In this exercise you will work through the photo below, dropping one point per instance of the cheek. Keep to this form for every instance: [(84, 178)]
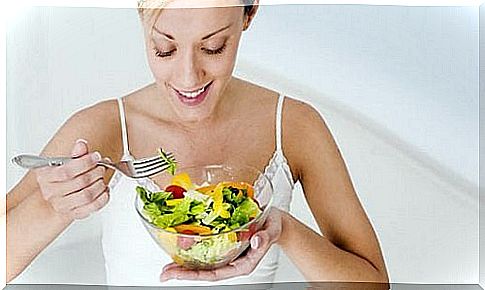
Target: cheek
[(222, 65), (160, 70)]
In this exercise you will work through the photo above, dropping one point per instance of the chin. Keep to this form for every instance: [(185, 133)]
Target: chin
[(195, 107)]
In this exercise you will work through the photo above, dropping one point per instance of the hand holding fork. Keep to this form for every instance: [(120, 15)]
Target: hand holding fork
[(74, 186)]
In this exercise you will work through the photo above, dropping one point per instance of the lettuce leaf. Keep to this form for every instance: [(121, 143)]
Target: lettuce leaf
[(248, 208), (171, 162)]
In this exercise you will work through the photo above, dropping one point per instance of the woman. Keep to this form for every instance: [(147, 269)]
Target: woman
[(200, 112)]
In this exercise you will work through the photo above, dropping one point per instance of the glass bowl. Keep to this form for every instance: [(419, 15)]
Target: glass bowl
[(206, 252)]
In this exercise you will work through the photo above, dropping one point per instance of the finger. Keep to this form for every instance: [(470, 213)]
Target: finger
[(80, 148), (81, 198), (246, 264), (80, 182), (73, 168), (85, 196), (181, 273), (228, 271), (260, 239), (97, 204), (170, 271), (272, 225), (169, 266)]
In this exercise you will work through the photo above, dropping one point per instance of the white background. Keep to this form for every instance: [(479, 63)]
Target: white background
[(397, 85)]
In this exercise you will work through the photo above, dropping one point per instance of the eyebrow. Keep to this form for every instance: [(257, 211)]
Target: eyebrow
[(170, 37)]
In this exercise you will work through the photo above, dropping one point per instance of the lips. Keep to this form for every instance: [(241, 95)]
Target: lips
[(194, 97)]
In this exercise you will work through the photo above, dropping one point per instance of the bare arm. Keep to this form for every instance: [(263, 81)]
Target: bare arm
[(349, 249), (32, 222)]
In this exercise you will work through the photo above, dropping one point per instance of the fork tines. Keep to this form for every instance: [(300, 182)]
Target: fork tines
[(152, 165), (151, 171), (139, 163)]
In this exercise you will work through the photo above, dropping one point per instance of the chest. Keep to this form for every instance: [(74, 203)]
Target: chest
[(250, 142)]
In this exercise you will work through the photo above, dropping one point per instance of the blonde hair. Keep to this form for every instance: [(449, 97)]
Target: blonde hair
[(150, 10)]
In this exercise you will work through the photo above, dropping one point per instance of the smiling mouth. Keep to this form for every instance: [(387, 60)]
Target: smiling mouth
[(194, 97), (193, 94)]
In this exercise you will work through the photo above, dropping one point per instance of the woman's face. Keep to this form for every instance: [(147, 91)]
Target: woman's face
[(192, 54)]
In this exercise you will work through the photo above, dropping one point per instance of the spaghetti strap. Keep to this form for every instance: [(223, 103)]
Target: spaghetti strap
[(279, 110), (124, 132)]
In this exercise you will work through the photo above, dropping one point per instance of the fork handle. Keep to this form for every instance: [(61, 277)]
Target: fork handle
[(33, 161)]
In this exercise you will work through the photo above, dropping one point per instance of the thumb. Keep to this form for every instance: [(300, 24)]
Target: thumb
[(80, 148), (260, 240)]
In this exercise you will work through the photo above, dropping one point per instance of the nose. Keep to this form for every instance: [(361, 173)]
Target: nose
[(190, 71)]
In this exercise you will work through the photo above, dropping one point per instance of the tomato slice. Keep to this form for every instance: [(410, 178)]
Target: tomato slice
[(177, 191), (185, 242)]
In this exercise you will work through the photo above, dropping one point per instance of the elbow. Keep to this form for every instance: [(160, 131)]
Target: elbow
[(11, 274), (382, 279), (15, 265)]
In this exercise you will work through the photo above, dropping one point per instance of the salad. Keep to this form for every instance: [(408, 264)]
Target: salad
[(204, 216), (186, 208)]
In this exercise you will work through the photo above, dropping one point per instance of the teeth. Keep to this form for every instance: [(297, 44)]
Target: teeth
[(194, 94)]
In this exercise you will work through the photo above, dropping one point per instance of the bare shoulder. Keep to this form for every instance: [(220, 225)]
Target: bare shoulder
[(300, 115), (305, 134), (102, 113), (98, 124)]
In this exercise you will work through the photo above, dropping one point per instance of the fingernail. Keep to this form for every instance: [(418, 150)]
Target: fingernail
[(96, 156), (164, 278), (82, 141), (255, 242)]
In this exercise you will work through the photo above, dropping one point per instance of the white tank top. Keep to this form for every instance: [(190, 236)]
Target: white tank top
[(132, 258)]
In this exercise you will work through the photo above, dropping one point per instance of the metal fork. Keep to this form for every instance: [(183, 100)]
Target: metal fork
[(136, 168)]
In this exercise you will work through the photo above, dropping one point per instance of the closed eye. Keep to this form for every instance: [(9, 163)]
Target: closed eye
[(162, 54), (215, 51)]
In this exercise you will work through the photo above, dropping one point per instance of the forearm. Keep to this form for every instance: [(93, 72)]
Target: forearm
[(320, 260), (31, 226)]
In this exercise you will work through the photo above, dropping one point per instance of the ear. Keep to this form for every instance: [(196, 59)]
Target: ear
[(249, 17)]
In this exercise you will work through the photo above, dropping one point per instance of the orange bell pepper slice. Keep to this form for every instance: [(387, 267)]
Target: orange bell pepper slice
[(201, 230), (241, 185)]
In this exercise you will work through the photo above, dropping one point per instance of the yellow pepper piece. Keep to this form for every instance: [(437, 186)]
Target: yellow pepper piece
[(167, 241), (206, 189), (232, 237), (218, 199), (170, 229), (183, 180), (178, 260), (174, 202)]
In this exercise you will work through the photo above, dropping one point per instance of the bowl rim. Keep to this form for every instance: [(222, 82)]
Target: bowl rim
[(238, 229)]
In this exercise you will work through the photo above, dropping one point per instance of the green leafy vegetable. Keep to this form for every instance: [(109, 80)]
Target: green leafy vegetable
[(248, 208), (196, 208), (170, 161)]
